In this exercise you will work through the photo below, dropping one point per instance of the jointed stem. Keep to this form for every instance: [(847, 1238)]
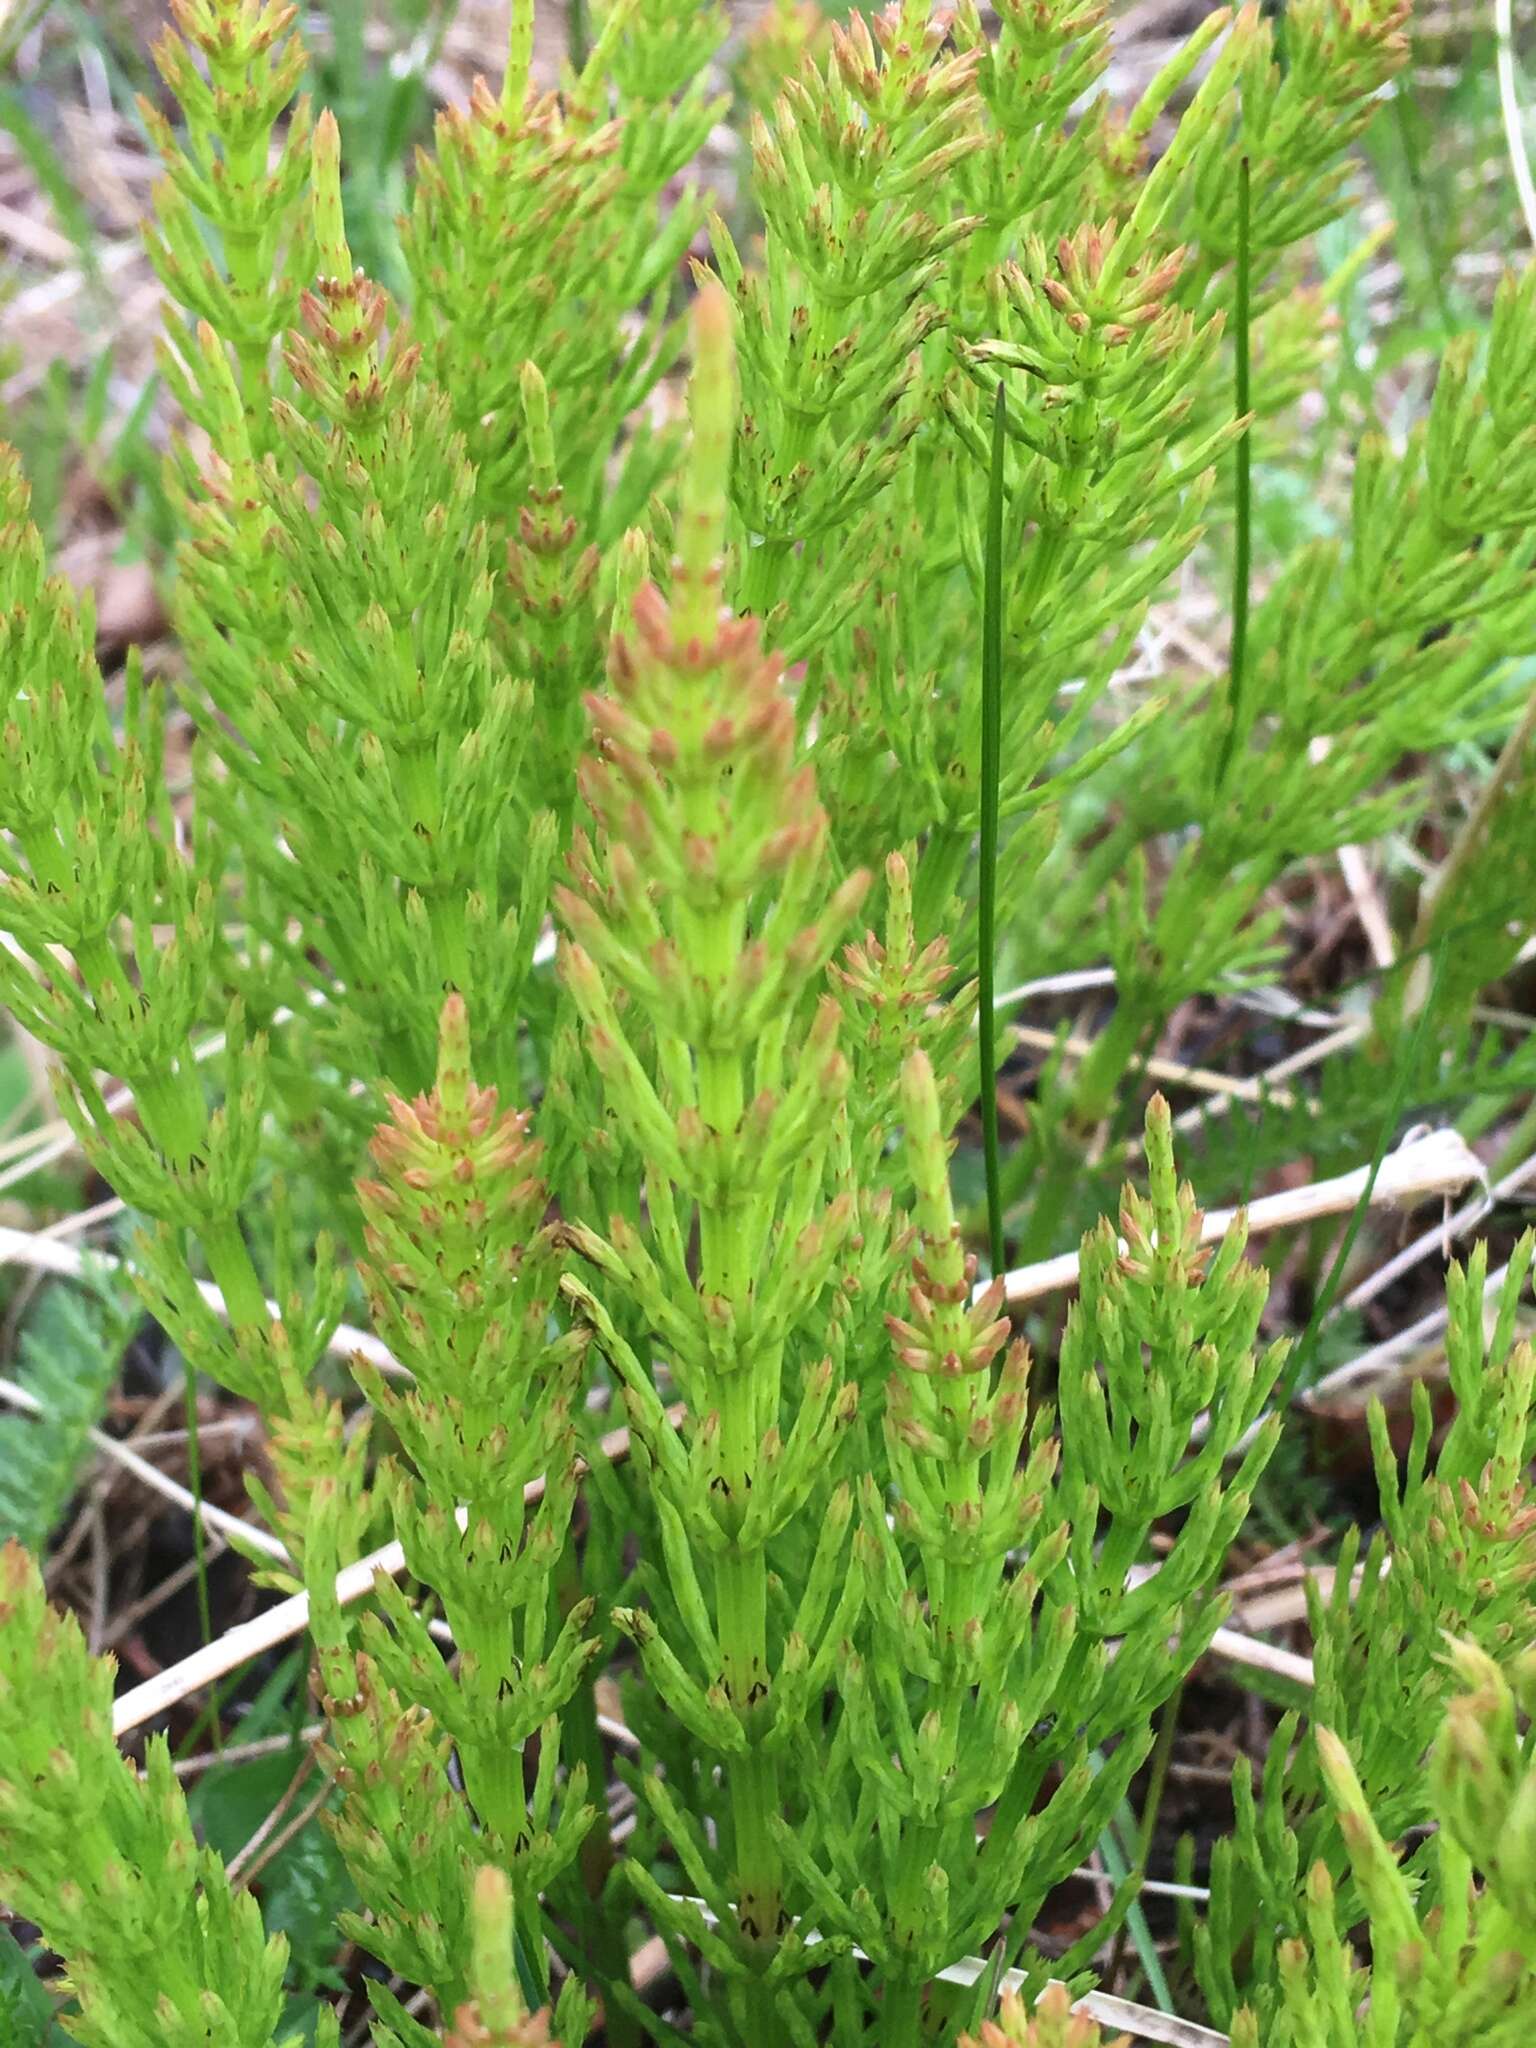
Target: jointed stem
[(901, 2015), (1243, 514), (741, 1580)]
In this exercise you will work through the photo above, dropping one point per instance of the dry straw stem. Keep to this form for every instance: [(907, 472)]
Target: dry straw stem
[(1074, 981), (124, 1455), (1439, 1240), (1082, 980), (1439, 1163), (1147, 2023), (1262, 1085), (290, 1618), (1235, 1648), (1238, 1087), (45, 1254), (1366, 896), (1385, 1363), (287, 1619)]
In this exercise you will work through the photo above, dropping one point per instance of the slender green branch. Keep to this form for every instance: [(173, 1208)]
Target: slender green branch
[(991, 781), (1242, 548)]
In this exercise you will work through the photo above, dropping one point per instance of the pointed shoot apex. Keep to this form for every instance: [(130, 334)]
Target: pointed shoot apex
[(330, 226), (706, 480)]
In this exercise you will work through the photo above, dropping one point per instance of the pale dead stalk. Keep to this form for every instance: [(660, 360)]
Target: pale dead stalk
[(239, 1862), (289, 1618), (48, 1255), (1366, 896), (1436, 1164), (1433, 1241), (1338, 1040), (1174, 1072), (217, 1519), (1440, 1163), (1384, 1362)]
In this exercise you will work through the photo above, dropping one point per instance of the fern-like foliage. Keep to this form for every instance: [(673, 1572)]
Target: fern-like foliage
[(1334, 1120), (70, 1353)]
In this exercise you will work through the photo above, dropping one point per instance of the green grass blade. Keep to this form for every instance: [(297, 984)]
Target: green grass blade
[(200, 1536), (991, 786), (1117, 1868)]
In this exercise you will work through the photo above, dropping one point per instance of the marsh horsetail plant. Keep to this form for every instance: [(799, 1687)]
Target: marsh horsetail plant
[(651, 673)]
